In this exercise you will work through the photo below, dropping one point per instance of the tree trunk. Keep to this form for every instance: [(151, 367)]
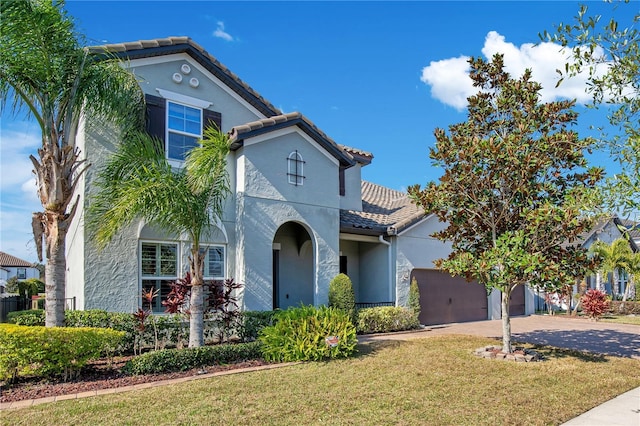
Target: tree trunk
[(196, 316), (196, 308), (55, 269), (598, 281), (506, 322)]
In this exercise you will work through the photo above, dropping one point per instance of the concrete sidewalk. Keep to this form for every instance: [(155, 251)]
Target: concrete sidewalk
[(622, 410)]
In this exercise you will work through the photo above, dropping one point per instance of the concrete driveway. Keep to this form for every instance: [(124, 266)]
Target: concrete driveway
[(559, 331)]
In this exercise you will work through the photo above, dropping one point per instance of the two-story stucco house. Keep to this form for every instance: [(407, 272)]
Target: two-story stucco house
[(298, 215)]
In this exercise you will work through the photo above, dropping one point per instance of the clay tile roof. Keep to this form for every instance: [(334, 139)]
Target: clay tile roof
[(11, 261), (363, 157), (385, 211), (171, 45), (239, 133)]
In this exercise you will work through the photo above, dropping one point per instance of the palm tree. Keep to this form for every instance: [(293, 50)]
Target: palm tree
[(633, 271), (613, 257), (139, 183), (45, 72)]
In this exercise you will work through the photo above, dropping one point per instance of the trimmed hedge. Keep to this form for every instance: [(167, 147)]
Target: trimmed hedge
[(170, 360), (252, 323), (342, 296), (53, 351), (385, 319), (308, 333), (618, 307), (30, 317)]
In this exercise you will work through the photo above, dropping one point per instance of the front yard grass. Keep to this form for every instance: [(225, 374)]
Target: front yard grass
[(621, 319), (435, 380)]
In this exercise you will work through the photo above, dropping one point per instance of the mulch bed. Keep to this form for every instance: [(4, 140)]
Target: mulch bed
[(98, 375)]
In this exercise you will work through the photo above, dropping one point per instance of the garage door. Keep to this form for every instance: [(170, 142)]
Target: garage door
[(516, 301), (446, 299)]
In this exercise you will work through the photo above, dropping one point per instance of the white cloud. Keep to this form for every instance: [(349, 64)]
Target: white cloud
[(221, 33), (451, 85), (449, 82)]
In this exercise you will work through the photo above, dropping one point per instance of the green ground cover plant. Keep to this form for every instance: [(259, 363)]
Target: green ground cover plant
[(386, 384)]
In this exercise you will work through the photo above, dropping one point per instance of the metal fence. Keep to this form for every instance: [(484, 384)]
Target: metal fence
[(362, 305), (17, 303)]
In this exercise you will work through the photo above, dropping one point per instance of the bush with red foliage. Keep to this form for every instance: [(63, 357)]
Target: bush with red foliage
[(595, 303)]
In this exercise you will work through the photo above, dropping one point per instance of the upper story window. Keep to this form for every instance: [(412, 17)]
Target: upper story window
[(184, 129), (295, 168)]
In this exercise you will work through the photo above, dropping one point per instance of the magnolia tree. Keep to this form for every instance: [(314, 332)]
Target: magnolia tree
[(514, 188)]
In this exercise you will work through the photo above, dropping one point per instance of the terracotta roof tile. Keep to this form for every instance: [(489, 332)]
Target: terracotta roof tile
[(11, 261), (384, 211)]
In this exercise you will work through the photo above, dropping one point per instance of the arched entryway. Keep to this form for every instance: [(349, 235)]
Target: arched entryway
[(293, 266)]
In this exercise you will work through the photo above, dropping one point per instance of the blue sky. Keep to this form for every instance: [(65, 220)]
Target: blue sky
[(378, 76)]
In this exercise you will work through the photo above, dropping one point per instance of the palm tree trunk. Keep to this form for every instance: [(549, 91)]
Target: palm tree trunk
[(506, 322), (55, 269), (196, 318), (196, 308)]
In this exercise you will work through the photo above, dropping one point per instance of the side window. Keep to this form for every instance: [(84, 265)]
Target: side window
[(214, 263), (295, 168), (22, 273), (158, 269)]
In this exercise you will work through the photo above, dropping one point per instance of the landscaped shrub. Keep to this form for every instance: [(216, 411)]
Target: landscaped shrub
[(385, 319), (307, 333), (168, 360), (52, 351), (624, 308), (414, 298), (341, 295), (594, 303), (30, 317), (252, 322)]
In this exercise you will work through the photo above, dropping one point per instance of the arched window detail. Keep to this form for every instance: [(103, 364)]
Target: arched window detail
[(295, 168)]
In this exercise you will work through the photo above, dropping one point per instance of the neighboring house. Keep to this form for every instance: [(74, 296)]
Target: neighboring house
[(11, 266), (299, 212), (4, 276), (608, 230)]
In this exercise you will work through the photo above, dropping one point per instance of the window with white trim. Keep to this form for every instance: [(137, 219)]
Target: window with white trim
[(184, 129), (158, 269), (214, 263), (295, 168), (22, 273)]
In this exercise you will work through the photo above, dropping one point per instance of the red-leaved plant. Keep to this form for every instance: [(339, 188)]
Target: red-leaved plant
[(595, 303)]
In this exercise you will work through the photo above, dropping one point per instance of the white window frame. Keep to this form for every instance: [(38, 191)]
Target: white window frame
[(156, 279), (295, 174), (208, 277), (24, 273), (169, 131)]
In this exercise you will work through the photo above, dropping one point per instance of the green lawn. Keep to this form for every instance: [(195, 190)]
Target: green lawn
[(432, 381), (622, 319)]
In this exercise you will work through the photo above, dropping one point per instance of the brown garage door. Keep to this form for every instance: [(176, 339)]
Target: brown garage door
[(516, 301), (445, 299)]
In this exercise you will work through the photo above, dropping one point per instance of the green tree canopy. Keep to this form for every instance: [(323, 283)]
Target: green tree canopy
[(514, 184), (607, 50)]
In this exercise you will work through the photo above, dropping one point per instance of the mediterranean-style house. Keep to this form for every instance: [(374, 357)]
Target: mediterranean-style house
[(11, 266), (298, 215)]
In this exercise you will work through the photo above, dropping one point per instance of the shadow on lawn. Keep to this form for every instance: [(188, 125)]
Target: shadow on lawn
[(601, 342)]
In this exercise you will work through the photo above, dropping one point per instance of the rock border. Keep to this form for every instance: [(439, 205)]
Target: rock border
[(519, 354)]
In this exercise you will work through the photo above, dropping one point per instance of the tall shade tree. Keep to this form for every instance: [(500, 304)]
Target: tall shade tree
[(138, 182), (513, 187), (613, 258), (47, 74), (607, 49)]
